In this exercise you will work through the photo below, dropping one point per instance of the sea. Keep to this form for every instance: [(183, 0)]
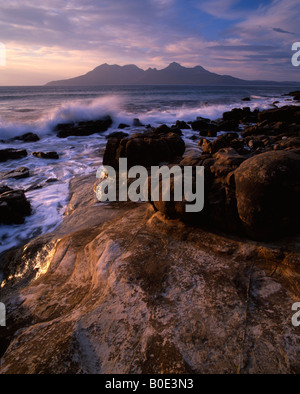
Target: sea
[(38, 109)]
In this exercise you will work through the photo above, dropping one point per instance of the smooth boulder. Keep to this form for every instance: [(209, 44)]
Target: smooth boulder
[(268, 194), (145, 149)]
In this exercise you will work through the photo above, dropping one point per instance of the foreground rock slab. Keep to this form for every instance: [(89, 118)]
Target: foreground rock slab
[(118, 288)]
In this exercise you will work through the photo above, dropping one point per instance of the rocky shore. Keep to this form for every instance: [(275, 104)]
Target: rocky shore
[(145, 287)]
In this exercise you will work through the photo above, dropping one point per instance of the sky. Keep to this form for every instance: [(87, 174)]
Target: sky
[(56, 39)]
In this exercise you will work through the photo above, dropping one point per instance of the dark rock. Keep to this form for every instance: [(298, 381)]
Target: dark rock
[(137, 123), (28, 137), (226, 161), (13, 206), (202, 125), (207, 120), (290, 143), (51, 180), (176, 130), (46, 155), (229, 125), (208, 133), (236, 114), (246, 99), (194, 137), (254, 144), (182, 125), (295, 95), (83, 128), (162, 129), (12, 154), (223, 141), (288, 114), (123, 126), (268, 194), (145, 149), (18, 173), (117, 134)]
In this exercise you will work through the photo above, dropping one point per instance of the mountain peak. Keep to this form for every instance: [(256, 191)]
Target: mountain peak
[(174, 66), (173, 74)]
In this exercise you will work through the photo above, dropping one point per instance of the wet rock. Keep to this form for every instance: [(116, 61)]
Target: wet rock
[(202, 125), (194, 138), (137, 123), (164, 129), (12, 154), (83, 128), (123, 126), (117, 134), (295, 95), (18, 173), (46, 155), (28, 137), (182, 125), (13, 206)]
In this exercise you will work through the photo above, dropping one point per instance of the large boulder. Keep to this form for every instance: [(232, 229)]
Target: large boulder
[(145, 149), (268, 194), (13, 206)]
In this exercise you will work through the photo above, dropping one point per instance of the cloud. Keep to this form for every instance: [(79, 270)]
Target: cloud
[(74, 36), (222, 9), (278, 30)]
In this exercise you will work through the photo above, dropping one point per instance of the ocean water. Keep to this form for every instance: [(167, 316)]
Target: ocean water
[(40, 109)]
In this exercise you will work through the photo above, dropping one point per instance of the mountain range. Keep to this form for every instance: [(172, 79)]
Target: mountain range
[(174, 74)]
